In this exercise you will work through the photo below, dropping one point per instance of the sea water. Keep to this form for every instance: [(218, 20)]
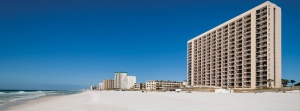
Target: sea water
[(9, 97)]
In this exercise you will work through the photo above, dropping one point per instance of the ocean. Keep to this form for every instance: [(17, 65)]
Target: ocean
[(10, 98)]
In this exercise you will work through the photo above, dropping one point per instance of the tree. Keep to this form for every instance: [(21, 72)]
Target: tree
[(144, 86), (284, 82), (270, 81), (292, 81), (297, 84)]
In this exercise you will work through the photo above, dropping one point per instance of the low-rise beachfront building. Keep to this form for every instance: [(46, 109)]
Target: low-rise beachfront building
[(94, 87), (163, 85), (139, 85), (185, 83), (108, 84)]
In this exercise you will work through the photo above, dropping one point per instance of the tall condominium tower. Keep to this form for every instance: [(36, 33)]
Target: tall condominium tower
[(108, 84), (118, 79), (243, 52), (128, 82)]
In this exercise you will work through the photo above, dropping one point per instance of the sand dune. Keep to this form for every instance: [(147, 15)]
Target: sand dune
[(164, 101)]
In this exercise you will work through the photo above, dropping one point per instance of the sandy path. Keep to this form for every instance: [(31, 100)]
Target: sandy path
[(164, 101)]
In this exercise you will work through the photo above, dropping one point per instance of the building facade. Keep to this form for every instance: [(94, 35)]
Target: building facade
[(243, 52), (119, 76), (139, 85), (100, 86), (108, 84), (163, 85), (92, 88), (128, 82)]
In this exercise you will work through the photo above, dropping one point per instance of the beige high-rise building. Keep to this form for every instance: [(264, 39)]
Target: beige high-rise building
[(243, 52), (108, 84)]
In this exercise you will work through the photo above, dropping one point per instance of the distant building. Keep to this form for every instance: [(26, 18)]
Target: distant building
[(94, 87), (128, 82), (118, 79), (139, 85), (185, 83), (163, 85), (100, 86), (108, 84)]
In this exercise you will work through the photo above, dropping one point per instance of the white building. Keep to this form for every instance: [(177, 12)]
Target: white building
[(94, 87), (100, 86), (118, 79), (128, 82)]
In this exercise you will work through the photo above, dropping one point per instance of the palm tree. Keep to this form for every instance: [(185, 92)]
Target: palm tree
[(284, 82), (270, 81), (292, 81), (144, 86)]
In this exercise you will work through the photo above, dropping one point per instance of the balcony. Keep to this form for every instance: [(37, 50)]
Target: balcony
[(238, 81), (264, 55), (247, 44), (247, 86), (261, 70), (265, 50), (238, 77), (247, 67)]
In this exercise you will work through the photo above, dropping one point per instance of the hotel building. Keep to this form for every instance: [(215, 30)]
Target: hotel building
[(243, 52), (160, 84), (118, 79), (108, 84), (128, 82)]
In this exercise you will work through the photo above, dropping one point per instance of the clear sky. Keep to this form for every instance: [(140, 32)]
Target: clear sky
[(72, 44)]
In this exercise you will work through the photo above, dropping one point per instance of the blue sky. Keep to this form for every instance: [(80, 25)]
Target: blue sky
[(72, 44)]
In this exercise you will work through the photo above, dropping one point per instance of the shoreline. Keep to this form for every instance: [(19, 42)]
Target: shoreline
[(32, 101), (22, 102)]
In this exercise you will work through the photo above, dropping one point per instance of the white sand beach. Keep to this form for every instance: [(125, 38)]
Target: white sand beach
[(164, 101)]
